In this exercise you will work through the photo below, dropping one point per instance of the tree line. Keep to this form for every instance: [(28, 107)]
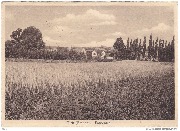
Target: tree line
[(157, 50), (28, 44)]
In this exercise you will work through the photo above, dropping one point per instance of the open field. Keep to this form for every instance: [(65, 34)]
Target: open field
[(130, 90)]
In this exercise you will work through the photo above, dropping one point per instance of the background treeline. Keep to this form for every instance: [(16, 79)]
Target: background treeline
[(157, 50), (28, 44), (59, 54)]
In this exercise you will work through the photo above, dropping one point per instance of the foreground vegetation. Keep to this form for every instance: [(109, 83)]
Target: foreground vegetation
[(125, 90)]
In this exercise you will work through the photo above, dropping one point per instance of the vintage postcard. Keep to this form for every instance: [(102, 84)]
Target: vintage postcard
[(89, 64)]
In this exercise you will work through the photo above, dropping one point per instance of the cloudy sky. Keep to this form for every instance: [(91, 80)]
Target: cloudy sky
[(91, 25)]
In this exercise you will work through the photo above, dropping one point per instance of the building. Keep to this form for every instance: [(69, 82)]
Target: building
[(101, 53), (94, 54)]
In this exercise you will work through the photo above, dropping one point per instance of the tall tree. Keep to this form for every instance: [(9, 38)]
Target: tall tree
[(144, 46), (32, 38), (119, 44), (24, 41), (128, 43), (120, 47)]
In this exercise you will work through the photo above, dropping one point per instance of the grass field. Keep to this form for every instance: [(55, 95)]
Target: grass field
[(125, 90)]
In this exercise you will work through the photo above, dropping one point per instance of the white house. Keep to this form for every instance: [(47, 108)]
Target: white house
[(103, 54), (94, 54)]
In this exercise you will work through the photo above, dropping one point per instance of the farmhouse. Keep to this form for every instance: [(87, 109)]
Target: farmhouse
[(101, 53), (94, 54), (89, 52)]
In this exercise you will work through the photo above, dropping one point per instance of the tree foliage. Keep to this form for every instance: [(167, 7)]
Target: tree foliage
[(119, 44), (24, 41), (32, 38), (16, 35), (157, 50)]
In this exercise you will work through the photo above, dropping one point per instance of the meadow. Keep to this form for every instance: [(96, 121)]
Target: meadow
[(123, 90)]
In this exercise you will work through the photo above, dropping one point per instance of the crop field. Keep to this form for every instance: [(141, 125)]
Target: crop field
[(124, 90)]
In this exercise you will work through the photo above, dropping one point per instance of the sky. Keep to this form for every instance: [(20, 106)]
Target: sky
[(91, 26)]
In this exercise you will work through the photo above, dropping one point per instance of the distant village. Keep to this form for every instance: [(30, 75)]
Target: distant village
[(157, 50), (89, 53)]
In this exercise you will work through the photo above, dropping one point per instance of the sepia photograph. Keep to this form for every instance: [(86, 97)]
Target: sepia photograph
[(89, 63)]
